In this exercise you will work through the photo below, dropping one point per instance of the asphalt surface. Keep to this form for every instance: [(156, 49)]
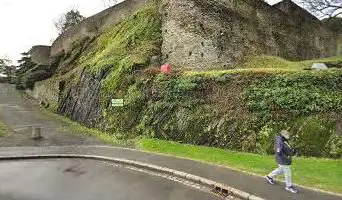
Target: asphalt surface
[(18, 113), (87, 180), (47, 180), (248, 183)]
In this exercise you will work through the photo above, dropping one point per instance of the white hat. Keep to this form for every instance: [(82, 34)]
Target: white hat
[(286, 134)]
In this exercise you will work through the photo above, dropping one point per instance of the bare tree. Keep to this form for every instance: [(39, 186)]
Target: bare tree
[(6, 68), (324, 8), (68, 20)]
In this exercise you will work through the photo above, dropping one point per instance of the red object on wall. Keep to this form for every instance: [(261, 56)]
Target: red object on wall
[(166, 69)]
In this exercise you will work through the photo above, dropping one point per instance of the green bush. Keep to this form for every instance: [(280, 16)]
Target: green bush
[(177, 112), (312, 134), (30, 78), (300, 100), (298, 95), (333, 147)]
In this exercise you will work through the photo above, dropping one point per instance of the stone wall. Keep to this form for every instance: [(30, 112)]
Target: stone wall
[(40, 54), (46, 92), (221, 33), (292, 9), (94, 25), (339, 44)]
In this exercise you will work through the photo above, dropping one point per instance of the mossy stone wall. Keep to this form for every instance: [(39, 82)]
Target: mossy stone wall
[(95, 25)]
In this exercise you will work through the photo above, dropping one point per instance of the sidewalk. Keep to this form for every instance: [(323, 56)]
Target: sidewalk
[(251, 184)]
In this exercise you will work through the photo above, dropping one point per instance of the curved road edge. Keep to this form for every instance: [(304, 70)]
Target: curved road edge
[(254, 185), (221, 188)]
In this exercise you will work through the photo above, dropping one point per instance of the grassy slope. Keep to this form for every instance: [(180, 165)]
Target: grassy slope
[(118, 49), (266, 64), (264, 61), (125, 46), (323, 174)]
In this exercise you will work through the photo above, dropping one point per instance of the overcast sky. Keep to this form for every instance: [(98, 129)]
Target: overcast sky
[(25, 23)]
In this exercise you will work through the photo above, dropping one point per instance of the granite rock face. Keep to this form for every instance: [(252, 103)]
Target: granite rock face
[(82, 102)]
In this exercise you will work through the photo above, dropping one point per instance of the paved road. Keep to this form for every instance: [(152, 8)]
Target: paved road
[(252, 184), (87, 180), (18, 112), (45, 180)]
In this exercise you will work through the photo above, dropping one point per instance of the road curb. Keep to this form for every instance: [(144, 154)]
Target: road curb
[(218, 187)]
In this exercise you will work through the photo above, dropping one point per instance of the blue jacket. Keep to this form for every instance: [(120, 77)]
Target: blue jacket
[(284, 152)]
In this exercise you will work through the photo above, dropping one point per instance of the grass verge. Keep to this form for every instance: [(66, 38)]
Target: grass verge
[(324, 174), (267, 65), (217, 73), (69, 126), (3, 129), (274, 62)]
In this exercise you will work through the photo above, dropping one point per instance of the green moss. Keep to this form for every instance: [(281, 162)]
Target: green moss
[(271, 62), (119, 52), (125, 46), (268, 65), (51, 87), (280, 63), (134, 96), (250, 71), (329, 60)]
